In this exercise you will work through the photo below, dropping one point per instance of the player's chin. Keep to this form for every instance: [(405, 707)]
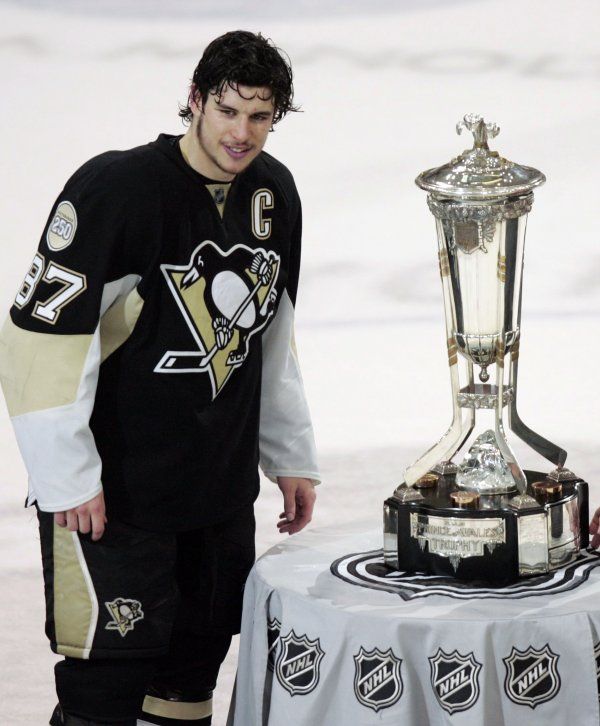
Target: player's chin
[(237, 166)]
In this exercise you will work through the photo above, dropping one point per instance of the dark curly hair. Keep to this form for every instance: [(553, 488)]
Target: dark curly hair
[(248, 59)]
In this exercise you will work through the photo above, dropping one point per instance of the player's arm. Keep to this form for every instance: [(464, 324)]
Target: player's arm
[(51, 350), (287, 445)]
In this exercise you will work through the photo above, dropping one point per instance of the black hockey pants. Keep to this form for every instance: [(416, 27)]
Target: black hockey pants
[(144, 619)]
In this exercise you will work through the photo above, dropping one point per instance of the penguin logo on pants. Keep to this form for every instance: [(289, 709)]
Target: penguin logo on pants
[(125, 613), (225, 298)]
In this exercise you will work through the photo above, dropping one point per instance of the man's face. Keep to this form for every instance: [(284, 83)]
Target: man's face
[(231, 130)]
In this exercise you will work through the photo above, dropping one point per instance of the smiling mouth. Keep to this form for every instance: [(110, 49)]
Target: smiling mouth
[(237, 152)]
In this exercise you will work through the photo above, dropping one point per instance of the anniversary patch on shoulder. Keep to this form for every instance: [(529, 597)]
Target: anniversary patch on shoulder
[(62, 228), (368, 569)]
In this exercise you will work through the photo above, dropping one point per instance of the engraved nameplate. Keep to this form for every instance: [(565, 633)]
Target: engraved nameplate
[(533, 543), (457, 537)]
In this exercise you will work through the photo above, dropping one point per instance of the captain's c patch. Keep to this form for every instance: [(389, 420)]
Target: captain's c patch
[(61, 229)]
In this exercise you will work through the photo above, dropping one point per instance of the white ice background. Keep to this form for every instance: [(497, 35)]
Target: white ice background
[(381, 85)]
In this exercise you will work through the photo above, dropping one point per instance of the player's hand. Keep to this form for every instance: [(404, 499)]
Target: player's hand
[(594, 526), (87, 517), (298, 502)]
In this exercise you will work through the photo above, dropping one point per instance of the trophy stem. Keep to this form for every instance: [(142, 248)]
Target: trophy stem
[(501, 349)]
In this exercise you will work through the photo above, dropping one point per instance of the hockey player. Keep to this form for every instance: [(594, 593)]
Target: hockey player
[(148, 363)]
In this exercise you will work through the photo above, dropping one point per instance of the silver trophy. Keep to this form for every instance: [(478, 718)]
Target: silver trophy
[(482, 516)]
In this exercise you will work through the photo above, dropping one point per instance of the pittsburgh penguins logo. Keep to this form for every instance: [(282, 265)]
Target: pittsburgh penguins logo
[(273, 632), (531, 676), (455, 680), (377, 680), (225, 298), (125, 614), (298, 663)]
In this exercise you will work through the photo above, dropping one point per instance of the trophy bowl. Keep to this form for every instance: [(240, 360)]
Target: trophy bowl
[(485, 518)]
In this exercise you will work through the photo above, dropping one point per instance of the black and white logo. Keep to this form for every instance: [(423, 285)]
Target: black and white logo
[(597, 657), (368, 569), (273, 631), (377, 679), (455, 680), (298, 663), (225, 298), (531, 676), (125, 614)]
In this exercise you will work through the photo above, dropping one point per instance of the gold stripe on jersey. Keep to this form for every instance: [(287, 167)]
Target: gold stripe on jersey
[(75, 612), (180, 710), (219, 194), (40, 370), (118, 323)]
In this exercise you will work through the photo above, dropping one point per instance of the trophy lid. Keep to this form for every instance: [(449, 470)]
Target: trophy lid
[(479, 173)]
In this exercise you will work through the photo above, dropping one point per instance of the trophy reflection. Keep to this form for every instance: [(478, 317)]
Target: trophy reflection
[(483, 516)]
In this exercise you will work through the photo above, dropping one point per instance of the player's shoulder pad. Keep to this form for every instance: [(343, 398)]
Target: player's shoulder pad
[(113, 174)]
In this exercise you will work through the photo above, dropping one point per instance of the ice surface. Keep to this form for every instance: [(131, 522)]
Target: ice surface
[(380, 92)]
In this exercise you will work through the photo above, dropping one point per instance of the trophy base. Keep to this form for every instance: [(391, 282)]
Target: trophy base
[(504, 538)]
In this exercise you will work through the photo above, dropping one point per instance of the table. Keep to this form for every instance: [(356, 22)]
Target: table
[(330, 637)]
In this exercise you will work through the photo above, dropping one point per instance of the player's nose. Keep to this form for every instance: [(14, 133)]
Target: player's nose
[(241, 129)]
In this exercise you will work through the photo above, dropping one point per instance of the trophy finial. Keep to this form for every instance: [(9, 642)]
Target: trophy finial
[(479, 128)]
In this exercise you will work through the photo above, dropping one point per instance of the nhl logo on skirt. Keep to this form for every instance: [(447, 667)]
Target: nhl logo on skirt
[(377, 679), (455, 680), (531, 676), (273, 631), (298, 663)]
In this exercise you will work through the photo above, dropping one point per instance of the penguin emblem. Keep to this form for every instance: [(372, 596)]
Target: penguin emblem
[(225, 298), (125, 614)]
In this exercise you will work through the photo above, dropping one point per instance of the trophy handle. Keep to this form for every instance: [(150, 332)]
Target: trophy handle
[(538, 443), (545, 448), (451, 441), (461, 426)]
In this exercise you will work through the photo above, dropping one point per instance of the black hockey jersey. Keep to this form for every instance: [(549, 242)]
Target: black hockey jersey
[(150, 348)]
